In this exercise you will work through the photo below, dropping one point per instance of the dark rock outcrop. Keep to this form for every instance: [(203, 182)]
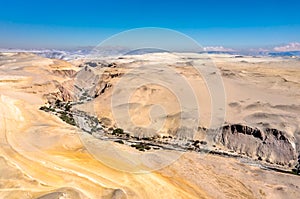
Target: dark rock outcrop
[(270, 145)]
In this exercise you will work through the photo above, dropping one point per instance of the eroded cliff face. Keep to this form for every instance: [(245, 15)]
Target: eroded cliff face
[(270, 145)]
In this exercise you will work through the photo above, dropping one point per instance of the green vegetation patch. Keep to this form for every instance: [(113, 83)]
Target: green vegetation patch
[(118, 131), (68, 118), (47, 109), (119, 141), (141, 146)]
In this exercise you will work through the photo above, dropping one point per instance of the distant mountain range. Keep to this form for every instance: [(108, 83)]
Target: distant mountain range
[(70, 54), (283, 54), (64, 54)]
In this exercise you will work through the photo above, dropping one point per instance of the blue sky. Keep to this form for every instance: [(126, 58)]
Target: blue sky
[(231, 23)]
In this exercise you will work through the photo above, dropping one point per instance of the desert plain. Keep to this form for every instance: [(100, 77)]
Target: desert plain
[(255, 153)]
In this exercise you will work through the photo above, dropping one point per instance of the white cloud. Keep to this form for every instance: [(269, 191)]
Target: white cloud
[(218, 48), (295, 46)]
